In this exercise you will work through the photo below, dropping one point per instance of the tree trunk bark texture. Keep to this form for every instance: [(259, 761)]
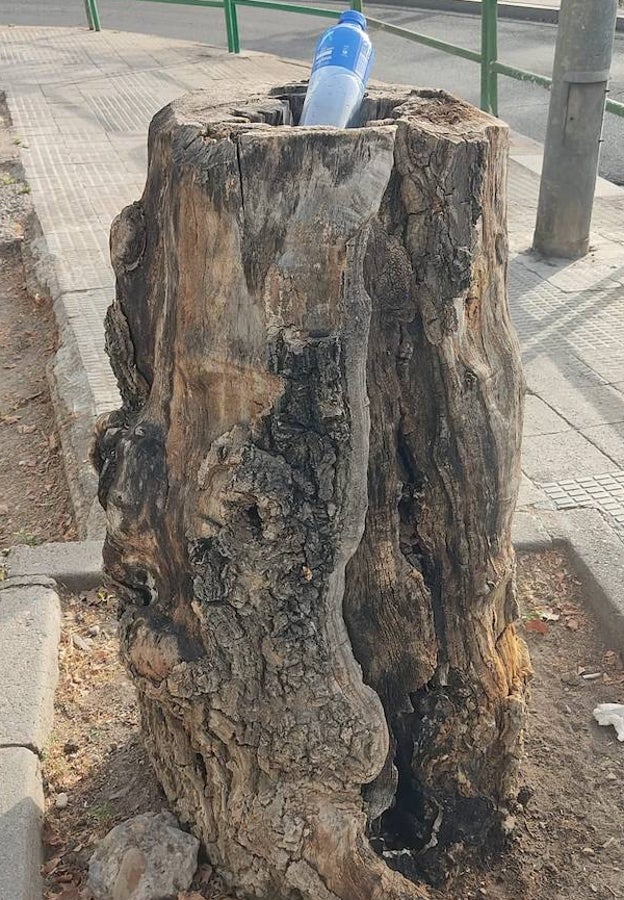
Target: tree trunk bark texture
[(309, 488)]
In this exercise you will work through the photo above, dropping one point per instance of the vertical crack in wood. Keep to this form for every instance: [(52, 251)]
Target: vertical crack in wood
[(240, 175)]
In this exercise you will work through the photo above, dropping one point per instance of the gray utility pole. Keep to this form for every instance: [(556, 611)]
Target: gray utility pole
[(580, 76)]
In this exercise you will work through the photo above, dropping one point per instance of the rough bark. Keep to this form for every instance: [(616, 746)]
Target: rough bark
[(310, 485)]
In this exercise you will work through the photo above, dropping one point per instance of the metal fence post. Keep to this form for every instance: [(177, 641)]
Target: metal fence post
[(489, 55), (235, 33), (572, 148), (231, 26), (358, 5), (93, 16)]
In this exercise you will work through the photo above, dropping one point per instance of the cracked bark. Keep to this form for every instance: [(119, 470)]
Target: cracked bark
[(310, 484)]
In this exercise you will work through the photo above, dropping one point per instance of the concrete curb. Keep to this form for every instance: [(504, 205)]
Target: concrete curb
[(30, 622), (595, 551), (72, 397), (30, 625), (75, 565), (21, 821), (528, 532), (522, 12), (74, 404)]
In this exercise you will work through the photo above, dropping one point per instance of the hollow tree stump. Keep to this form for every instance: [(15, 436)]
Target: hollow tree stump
[(310, 485)]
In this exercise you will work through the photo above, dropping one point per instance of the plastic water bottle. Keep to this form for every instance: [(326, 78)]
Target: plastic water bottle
[(342, 62)]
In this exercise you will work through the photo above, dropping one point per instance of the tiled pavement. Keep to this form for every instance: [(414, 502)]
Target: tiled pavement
[(81, 103), (570, 320)]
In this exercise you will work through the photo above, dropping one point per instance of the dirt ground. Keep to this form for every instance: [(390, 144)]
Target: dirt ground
[(569, 839)]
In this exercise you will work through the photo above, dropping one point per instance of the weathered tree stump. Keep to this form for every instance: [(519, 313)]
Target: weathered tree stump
[(309, 488)]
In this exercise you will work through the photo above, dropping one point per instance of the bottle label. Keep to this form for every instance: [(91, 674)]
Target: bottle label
[(344, 47)]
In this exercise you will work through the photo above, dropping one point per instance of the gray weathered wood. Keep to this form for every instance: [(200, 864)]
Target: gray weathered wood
[(310, 485)]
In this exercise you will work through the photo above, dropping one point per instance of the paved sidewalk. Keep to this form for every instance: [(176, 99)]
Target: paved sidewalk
[(570, 320), (81, 104)]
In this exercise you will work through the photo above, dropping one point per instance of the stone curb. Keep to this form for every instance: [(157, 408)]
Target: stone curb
[(596, 552), (30, 623), (75, 565), (21, 821), (74, 404), (528, 532), (72, 397)]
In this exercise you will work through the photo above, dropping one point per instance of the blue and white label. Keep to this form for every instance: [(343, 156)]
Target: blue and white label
[(346, 46)]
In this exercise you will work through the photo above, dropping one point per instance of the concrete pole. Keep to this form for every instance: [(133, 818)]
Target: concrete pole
[(580, 75)]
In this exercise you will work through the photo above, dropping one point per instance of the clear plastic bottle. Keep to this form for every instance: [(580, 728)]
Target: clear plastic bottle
[(342, 62)]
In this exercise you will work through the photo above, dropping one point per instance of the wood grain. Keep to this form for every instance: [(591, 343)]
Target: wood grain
[(310, 485)]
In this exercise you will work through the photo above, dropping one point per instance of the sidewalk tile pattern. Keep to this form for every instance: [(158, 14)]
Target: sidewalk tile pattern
[(603, 492)]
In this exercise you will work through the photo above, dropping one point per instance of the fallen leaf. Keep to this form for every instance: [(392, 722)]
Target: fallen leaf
[(572, 624), (26, 429), (536, 625), (51, 838), (50, 866), (189, 895), (9, 420)]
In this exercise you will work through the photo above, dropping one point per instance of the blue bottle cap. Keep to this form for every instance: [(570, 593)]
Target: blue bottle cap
[(352, 15)]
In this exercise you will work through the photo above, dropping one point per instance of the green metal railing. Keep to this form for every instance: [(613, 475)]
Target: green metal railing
[(491, 68), (93, 16)]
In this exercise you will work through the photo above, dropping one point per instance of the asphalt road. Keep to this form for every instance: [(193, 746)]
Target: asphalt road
[(525, 44)]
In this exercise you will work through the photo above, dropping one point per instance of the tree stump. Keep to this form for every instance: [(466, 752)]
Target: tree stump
[(310, 486)]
